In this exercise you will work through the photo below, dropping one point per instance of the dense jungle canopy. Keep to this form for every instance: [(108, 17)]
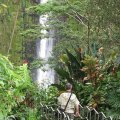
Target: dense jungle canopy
[(76, 22), (86, 53)]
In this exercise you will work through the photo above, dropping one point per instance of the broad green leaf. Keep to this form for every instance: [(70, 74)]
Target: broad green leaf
[(5, 6)]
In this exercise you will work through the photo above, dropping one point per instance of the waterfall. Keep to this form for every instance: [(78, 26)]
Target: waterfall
[(44, 49)]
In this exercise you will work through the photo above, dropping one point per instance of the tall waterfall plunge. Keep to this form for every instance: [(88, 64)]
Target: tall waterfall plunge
[(44, 49)]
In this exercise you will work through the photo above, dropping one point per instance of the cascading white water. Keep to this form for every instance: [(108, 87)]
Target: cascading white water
[(44, 50)]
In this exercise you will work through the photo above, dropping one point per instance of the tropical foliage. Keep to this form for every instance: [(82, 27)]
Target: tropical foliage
[(86, 54), (14, 81), (95, 81), (20, 97), (17, 30), (82, 22)]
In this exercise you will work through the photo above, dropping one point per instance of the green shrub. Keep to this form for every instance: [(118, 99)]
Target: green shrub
[(14, 80)]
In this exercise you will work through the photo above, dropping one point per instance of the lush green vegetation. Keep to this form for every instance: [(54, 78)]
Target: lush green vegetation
[(90, 32), (86, 54), (19, 96), (17, 30), (96, 83), (14, 81), (83, 22)]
